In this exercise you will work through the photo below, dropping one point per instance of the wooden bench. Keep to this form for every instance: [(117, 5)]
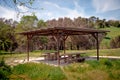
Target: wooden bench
[(63, 57), (72, 57), (80, 59)]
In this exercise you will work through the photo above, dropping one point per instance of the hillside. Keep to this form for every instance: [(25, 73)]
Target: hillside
[(114, 32)]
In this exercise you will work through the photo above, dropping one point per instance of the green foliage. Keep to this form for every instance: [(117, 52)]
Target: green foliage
[(5, 70), (39, 71), (29, 22), (7, 39), (43, 40), (94, 63), (108, 63), (41, 24), (115, 42)]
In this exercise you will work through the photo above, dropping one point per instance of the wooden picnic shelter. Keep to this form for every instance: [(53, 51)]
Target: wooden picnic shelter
[(63, 33)]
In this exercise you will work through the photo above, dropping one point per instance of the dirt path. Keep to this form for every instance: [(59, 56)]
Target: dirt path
[(54, 63), (110, 57)]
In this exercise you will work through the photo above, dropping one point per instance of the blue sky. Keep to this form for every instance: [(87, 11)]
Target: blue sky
[(108, 9)]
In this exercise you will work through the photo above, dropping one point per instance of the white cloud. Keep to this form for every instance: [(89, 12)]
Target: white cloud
[(106, 5), (50, 11), (49, 14), (53, 10), (12, 14), (22, 8), (7, 13), (78, 11), (112, 18)]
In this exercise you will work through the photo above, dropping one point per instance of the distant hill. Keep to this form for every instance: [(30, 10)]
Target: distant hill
[(114, 32)]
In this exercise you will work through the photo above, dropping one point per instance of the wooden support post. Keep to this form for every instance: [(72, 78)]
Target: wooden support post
[(64, 45), (28, 45), (58, 43), (95, 35), (28, 41), (97, 44), (64, 38)]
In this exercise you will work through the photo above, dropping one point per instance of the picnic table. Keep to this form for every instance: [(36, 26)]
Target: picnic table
[(68, 57)]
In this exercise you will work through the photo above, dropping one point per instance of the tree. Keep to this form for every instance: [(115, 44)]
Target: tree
[(114, 23), (117, 24), (29, 22), (41, 24), (93, 19), (7, 38), (100, 24)]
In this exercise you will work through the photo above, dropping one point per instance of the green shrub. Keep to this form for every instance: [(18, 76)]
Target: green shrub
[(115, 43), (94, 63), (108, 63), (5, 70)]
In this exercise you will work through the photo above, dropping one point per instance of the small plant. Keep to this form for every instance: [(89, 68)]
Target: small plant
[(5, 70), (108, 63), (94, 64)]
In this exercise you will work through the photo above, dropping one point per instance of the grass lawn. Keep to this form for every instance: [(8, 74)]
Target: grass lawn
[(90, 70), (34, 71), (94, 70), (103, 52)]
